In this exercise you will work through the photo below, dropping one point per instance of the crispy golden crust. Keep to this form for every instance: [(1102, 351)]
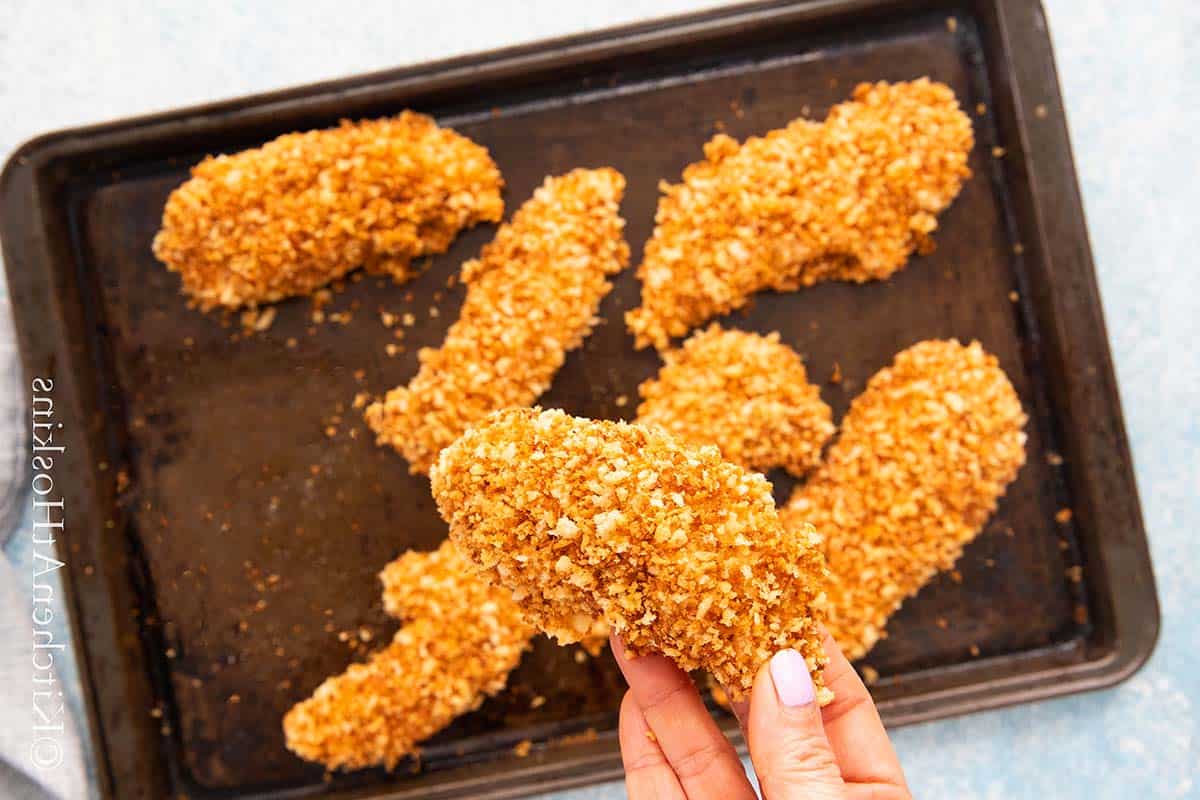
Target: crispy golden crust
[(747, 394), (847, 199), (286, 218), (924, 454), (461, 638), (679, 551), (532, 296)]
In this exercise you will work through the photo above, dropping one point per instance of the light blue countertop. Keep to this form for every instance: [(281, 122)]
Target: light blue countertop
[(1130, 75)]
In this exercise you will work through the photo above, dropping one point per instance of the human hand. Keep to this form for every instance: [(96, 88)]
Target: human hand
[(673, 750)]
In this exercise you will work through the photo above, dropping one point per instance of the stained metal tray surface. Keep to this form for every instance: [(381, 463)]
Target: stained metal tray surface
[(220, 541)]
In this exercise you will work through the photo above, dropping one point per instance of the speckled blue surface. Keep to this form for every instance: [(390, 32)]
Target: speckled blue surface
[(1131, 80)]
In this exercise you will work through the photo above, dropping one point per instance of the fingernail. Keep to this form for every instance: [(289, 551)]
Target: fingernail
[(793, 684)]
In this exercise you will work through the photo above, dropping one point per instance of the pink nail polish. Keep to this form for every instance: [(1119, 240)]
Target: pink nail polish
[(792, 681)]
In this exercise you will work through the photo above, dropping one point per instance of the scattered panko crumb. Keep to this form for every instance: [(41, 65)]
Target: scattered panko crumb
[(461, 638), (650, 735), (522, 748), (923, 456), (998, 152), (621, 401), (361, 399), (1054, 459), (848, 199), (1063, 516), (286, 218), (870, 675), (1040, 111), (387, 318), (532, 296), (1018, 248), (586, 520), (581, 656), (408, 320), (537, 702), (747, 394), (973, 650), (835, 377), (951, 24), (981, 109), (1013, 296)]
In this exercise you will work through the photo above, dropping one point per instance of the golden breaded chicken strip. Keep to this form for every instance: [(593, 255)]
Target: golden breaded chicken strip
[(679, 551), (747, 394), (848, 199), (924, 454), (286, 218), (532, 296), (461, 639)]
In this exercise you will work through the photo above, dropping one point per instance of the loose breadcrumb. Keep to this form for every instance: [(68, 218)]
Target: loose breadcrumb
[(532, 296), (924, 454), (747, 394), (847, 199), (289, 217), (681, 552), (461, 638)]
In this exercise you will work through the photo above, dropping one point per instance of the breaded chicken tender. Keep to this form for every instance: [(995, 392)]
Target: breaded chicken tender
[(847, 199), (286, 218), (462, 637), (747, 394), (532, 296), (924, 454), (678, 550)]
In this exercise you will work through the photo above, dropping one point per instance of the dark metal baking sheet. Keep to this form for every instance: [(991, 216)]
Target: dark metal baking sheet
[(213, 587)]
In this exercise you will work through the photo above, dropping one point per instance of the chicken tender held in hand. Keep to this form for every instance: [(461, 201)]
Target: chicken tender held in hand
[(747, 394), (303, 210), (680, 552), (846, 199), (925, 453), (461, 639)]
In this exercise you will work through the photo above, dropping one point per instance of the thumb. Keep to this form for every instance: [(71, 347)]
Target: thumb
[(787, 741)]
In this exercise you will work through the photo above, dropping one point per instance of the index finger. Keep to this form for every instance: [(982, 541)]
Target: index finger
[(853, 727), (705, 762)]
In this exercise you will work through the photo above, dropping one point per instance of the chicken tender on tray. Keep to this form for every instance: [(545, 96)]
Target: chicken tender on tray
[(462, 636), (847, 199), (679, 551), (747, 394), (924, 454), (286, 218), (532, 296)]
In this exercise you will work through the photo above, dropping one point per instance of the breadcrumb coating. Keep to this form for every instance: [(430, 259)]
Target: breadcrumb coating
[(679, 551), (747, 394), (301, 211), (461, 638), (532, 296), (847, 199), (925, 453)]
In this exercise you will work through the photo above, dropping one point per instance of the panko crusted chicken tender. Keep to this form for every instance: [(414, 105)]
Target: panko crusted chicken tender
[(847, 199), (924, 454), (679, 551), (301, 211), (747, 394), (461, 638), (532, 296)]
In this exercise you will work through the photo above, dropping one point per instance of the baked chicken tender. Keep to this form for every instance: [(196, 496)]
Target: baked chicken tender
[(301, 211), (747, 394), (532, 296), (461, 638), (847, 199), (925, 453), (679, 551)]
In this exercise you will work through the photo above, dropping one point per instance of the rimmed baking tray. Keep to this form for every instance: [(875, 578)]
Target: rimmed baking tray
[(228, 511)]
